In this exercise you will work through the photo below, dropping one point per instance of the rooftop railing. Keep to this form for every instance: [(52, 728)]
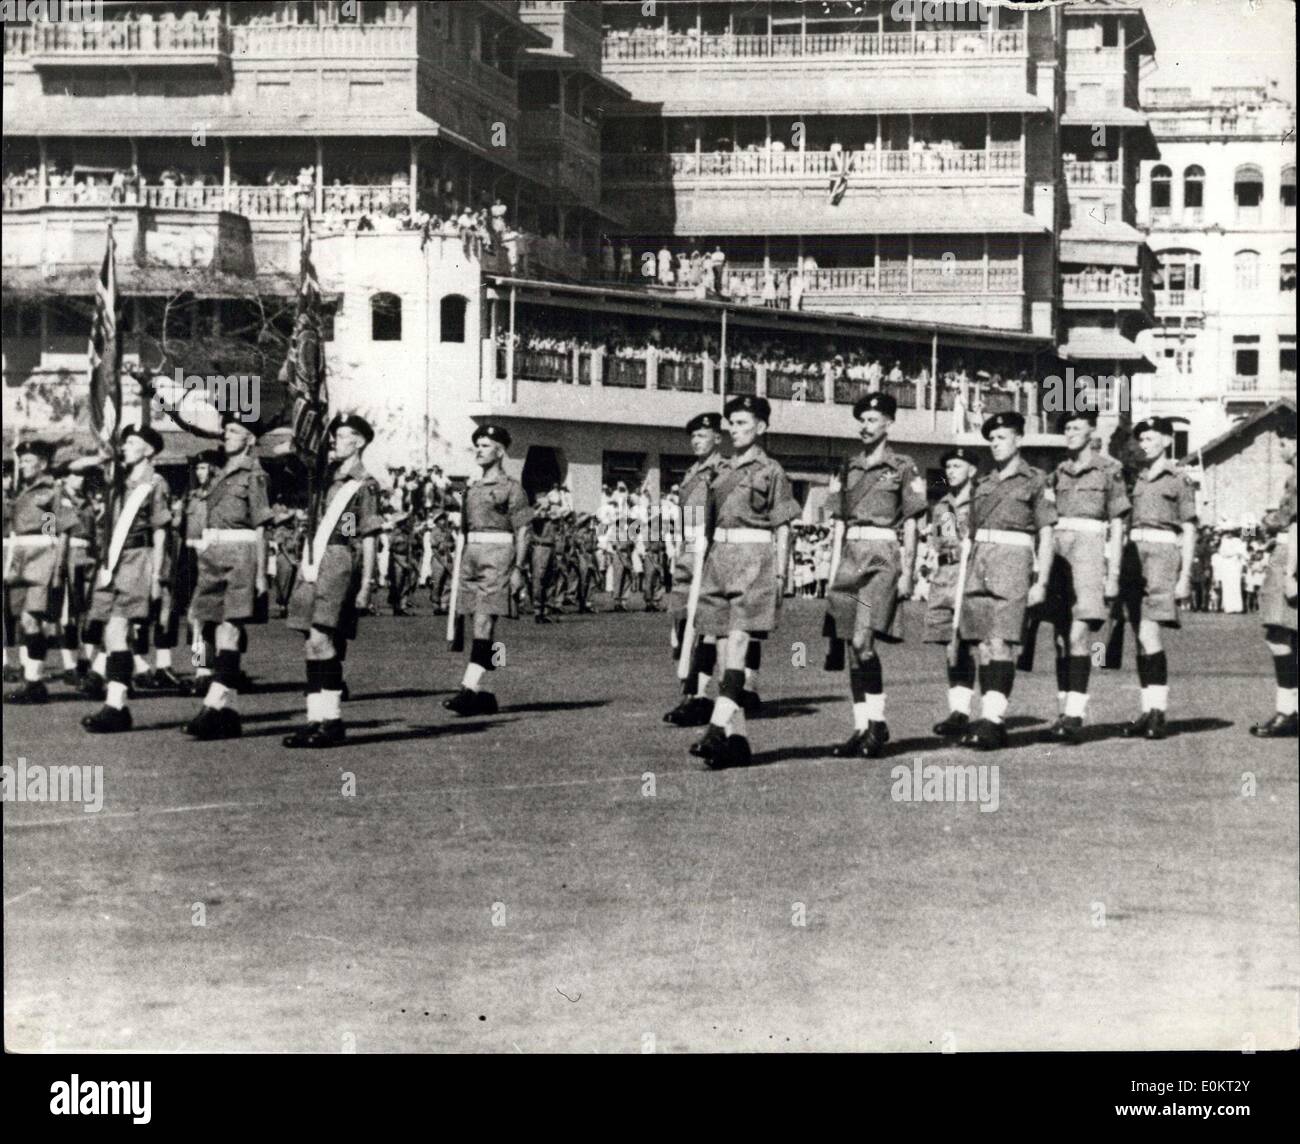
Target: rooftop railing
[(1101, 287), (71, 39), (620, 47)]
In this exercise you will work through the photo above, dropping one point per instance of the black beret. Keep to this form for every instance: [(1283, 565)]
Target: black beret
[(492, 433), (1063, 419), (256, 428), (42, 449), (147, 434), (1008, 420), (1154, 425), (747, 403), (356, 424), (213, 457), (960, 453), (880, 402), (705, 421)]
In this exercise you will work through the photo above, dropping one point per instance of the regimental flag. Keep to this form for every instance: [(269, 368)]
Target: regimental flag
[(105, 353), (303, 372), (840, 181)]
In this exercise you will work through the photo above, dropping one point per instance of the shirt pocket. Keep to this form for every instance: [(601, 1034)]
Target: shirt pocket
[(1088, 497), (760, 494)]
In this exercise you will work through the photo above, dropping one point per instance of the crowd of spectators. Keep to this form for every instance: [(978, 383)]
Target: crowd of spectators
[(1229, 568)]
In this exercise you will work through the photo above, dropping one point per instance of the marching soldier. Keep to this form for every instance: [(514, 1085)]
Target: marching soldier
[(545, 536), (36, 562), (287, 541), (79, 582), (1277, 601), (131, 573), (654, 557), (495, 523), (751, 505), (1091, 503), (949, 528), (334, 580), (622, 559), (1011, 507), (232, 576), (190, 536), (881, 492), (441, 547), (168, 610), (402, 566), (586, 565), (1156, 575), (706, 444)]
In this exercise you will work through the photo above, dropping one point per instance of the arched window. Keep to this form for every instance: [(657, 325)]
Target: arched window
[(451, 317), (1288, 196), (1287, 261), (1161, 189), (1248, 192), (1193, 191), (385, 318), (1245, 267)]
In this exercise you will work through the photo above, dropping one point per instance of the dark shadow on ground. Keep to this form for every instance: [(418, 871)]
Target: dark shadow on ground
[(1098, 731), (535, 708)]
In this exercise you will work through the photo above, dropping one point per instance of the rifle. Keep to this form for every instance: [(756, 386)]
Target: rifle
[(959, 597), (455, 625), (687, 650), (835, 645)]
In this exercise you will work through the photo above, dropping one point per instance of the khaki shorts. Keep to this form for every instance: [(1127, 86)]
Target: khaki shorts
[(127, 595), (1274, 609), (485, 579), (997, 591), (226, 588), (1148, 576), (683, 573), (739, 590), (30, 573), (865, 591), (1077, 588), (330, 604), (938, 611)]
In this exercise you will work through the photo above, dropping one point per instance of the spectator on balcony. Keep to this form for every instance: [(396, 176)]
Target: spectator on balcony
[(796, 290), (607, 262), (896, 372), (499, 217), (683, 269), (665, 266), (769, 288), (510, 243), (625, 262), (718, 266)]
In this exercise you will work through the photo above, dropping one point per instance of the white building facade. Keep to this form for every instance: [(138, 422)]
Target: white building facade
[(1219, 208)]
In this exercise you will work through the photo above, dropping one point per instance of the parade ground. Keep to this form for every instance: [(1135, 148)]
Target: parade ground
[(565, 877)]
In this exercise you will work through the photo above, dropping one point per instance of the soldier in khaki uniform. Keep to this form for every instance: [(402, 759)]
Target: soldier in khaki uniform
[(545, 536), (79, 581), (881, 492), (190, 544), (495, 520), (706, 444), (335, 576), (131, 572), (751, 505), (1091, 503), (1277, 601), (1156, 573), (949, 527), (36, 553), (1012, 508), (232, 576)]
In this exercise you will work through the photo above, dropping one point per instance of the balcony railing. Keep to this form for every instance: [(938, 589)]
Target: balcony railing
[(1167, 300), (1243, 383), (655, 168), (314, 41), (278, 202), (71, 39), (1096, 173), (1101, 287), (660, 46), (927, 278)]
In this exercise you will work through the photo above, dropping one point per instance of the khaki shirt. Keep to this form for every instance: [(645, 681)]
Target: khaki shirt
[(362, 516), (1094, 490), (1019, 502), (237, 495), (155, 512), (883, 493), (41, 507), (752, 494), (496, 504), (694, 489), (949, 525), (1165, 499)]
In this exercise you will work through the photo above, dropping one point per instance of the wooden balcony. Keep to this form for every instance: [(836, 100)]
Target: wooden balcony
[(677, 167), (1086, 291), (1101, 173), (120, 43), (860, 46), (323, 41)]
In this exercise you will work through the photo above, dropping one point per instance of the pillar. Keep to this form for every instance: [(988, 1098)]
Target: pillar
[(318, 197), (413, 147)]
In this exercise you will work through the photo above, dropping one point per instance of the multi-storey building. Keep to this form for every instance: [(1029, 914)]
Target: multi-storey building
[(1219, 205), (205, 129), (937, 119)]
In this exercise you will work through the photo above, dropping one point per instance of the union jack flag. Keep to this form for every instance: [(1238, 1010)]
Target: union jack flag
[(840, 181), (105, 352), (303, 371)]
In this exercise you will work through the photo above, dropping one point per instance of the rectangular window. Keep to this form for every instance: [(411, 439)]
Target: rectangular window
[(628, 468), (1245, 354), (1286, 358)]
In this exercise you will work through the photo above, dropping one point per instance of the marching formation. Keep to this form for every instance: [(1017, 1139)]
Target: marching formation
[(1016, 546)]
